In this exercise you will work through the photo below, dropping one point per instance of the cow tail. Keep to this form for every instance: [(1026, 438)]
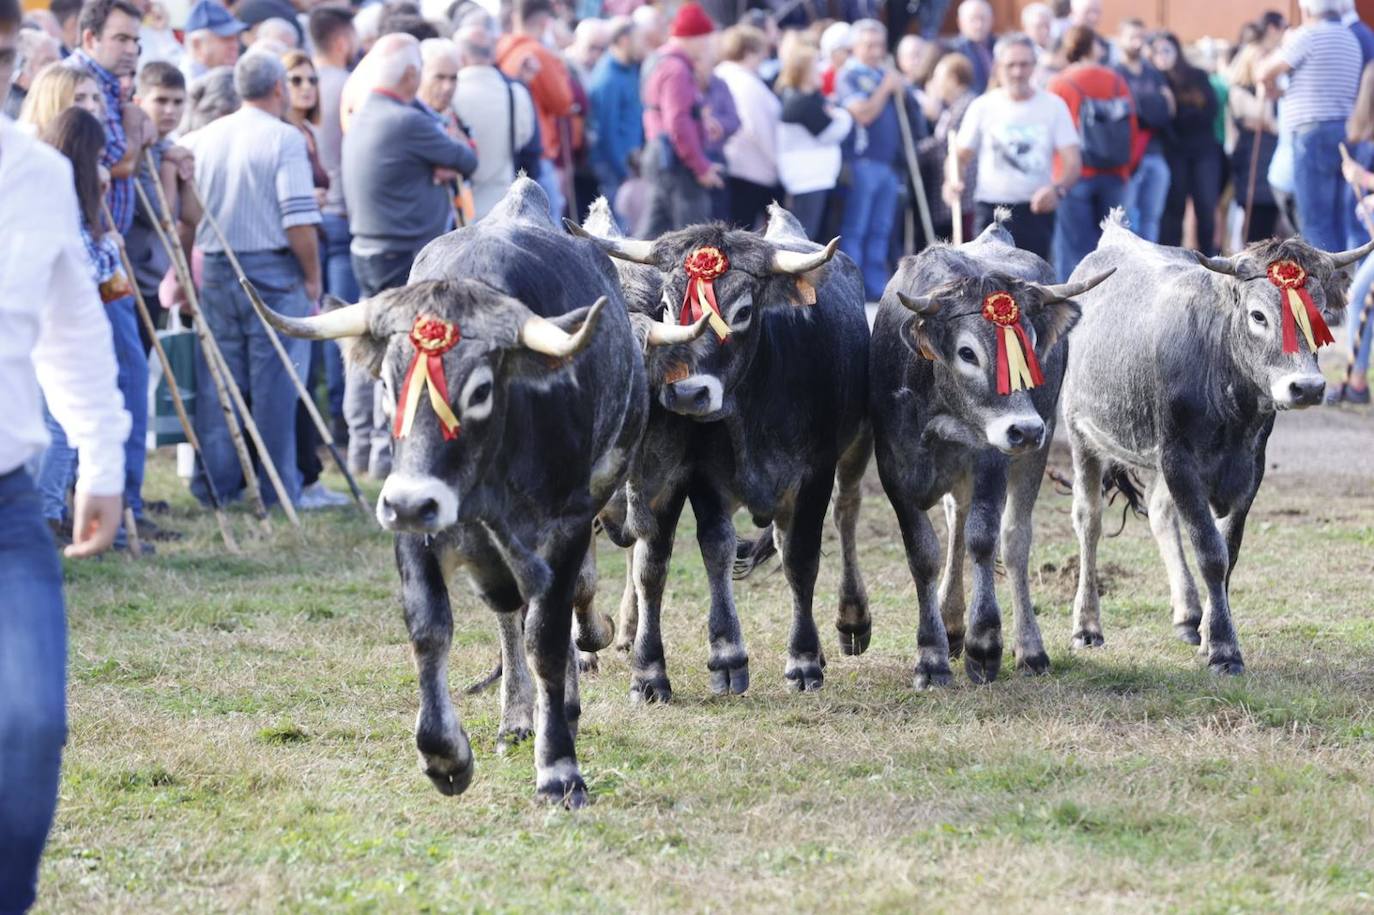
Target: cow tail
[(1120, 481), (491, 679), (750, 554)]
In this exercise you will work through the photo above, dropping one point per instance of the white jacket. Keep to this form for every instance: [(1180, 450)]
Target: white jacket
[(751, 153), (809, 162)]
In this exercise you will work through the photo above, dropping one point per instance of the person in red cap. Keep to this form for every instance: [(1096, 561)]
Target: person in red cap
[(679, 175)]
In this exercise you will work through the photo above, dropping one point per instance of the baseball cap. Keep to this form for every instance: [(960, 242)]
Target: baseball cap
[(208, 15)]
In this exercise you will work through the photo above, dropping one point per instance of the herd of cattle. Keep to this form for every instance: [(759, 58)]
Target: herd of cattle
[(570, 392)]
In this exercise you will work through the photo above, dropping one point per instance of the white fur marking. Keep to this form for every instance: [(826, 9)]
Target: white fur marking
[(403, 489)]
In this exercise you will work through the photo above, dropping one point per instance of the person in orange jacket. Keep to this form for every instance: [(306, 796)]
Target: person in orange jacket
[(521, 53)]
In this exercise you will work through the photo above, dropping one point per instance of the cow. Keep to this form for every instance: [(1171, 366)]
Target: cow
[(959, 417), (533, 403), (764, 407), (1179, 366)]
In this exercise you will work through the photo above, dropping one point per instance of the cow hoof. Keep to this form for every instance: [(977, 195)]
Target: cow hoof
[(587, 662), (730, 681), (451, 784), (805, 674), (1085, 638), (650, 688), (569, 792), (932, 675), (956, 644), (982, 663), (446, 760), (1226, 664), (854, 637), (506, 738), (1033, 664), (596, 636), (1187, 632)]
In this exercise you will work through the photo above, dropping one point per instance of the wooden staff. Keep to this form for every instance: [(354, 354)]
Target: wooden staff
[(1254, 168), (1367, 305), (131, 529), (956, 206), (147, 319), (913, 166), (301, 390)]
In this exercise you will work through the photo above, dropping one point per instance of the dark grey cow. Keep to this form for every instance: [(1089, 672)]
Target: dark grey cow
[(550, 401), (765, 409), (1179, 367), (943, 431)]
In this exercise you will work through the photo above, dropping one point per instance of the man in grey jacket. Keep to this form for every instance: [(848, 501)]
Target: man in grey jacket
[(397, 166)]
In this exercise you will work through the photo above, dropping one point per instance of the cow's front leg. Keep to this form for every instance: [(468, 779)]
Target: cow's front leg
[(852, 620), (923, 558), (801, 560), (726, 658), (952, 605), (592, 631), (648, 666), (548, 643), (1183, 597), (445, 754), (1022, 489), (983, 642), (517, 688), (1087, 524), (1209, 545)]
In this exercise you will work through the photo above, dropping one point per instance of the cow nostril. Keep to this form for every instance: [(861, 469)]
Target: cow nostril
[(1014, 435), (427, 511)]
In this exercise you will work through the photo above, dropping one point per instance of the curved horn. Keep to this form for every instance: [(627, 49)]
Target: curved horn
[(1222, 265), (661, 334), (349, 321), (923, 305), (795, 262), (627, 249), (543, 336), (1061, 291), (1346, 258)]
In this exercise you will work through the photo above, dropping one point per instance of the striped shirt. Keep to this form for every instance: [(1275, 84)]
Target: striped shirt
[(121, 196), (254, 176), (1326, 62)]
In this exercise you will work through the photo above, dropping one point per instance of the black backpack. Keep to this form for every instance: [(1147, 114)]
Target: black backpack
[(1104, 125)]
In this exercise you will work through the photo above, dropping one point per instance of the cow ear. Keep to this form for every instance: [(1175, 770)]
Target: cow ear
[(1054, 321), (1334, 292), (917, 337)]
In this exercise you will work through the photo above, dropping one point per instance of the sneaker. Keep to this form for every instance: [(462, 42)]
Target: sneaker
[(1357, 396), (317, 495)]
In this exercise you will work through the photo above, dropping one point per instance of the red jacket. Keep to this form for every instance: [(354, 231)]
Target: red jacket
[(1092, 81), (551, 88), (672, 104)]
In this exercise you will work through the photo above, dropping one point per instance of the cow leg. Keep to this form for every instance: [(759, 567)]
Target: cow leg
[(517, 688), (648, 668), (592, 631), (952, 605), (1017, 528), (1087, 524), (801, 560), (445, 754), (1183, 597), (852, 620), (572, 692), (983, 642), (726, 659), (1209, 546), (548, 641), (629, 608), (923, 559)]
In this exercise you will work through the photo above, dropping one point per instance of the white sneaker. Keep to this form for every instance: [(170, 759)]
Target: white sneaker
[(317, 495)]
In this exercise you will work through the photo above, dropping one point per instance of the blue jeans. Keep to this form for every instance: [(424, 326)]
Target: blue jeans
[(549, 180), (809, 208), (33, 683), (868, 217), (133, 384), (255, 366), (339, 282), (1318, 185), (1145, 195), (608, 181), (1078, 225), (56, 471), (1359, 289)]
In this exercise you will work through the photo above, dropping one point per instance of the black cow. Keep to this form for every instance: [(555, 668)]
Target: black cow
[(943, 431), (550, 400), (765, 408)]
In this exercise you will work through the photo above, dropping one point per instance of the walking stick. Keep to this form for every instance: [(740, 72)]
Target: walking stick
[(147, 319), (914, 167), (1368, 305), (301, 390), (1254, 169), (565, 151), (956, 206)]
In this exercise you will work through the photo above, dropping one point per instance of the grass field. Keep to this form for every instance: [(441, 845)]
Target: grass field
[(241, 740)]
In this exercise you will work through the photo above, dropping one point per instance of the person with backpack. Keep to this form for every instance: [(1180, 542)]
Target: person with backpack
[(1102, 109), (1190, 145), (501, 115)]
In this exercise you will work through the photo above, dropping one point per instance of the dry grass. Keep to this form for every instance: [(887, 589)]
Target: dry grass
[(240, 741)]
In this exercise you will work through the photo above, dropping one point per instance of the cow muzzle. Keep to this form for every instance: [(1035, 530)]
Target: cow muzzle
[(695, 395), (1016, 434), (1298, 390), (416, 505)]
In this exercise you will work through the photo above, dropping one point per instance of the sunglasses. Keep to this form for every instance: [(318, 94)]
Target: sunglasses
[(302, 80)]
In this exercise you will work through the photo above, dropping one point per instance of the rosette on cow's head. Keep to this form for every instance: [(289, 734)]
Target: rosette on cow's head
[(1299, 311), (704, 266), (431, 337), (1017, 367)]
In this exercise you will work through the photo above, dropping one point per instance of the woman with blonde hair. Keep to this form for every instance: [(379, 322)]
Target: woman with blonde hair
[(56, 88), (303, 110), (1256, 121), (810, 132)]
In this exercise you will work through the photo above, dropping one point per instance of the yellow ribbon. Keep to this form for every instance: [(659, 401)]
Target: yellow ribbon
[(419, 380), (1020, 373), (1299, 310), (713, 317)]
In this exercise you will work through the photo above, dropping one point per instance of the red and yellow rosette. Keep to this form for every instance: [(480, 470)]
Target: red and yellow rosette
[(1300, 311), (1017, 367), (704, 266), (431, 337)]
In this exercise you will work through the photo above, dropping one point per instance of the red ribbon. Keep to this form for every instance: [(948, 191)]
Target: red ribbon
[(704, 266), (1019, 369), (1291, 279), (431, 337)]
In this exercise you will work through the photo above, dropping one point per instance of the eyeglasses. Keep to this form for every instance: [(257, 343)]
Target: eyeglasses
[(302, 80)]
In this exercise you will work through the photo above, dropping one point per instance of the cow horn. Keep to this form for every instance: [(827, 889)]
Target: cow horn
[(348, 321), (1222, 265), (1346, 258), (547, 338), (795, 262), (1058, 292), (661, 334), (627, 249), (923, 305)]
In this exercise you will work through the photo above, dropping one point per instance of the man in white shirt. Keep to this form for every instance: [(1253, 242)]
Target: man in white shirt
[(498, 110), (55, 345)]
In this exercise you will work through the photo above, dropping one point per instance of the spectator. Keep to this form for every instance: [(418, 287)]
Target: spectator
[(975, 40), (68, 15), (254, 174), (679, 175), (439, 83), (34, 51), (652, 27), (212, 39), (809, 137), (1360, 134), (1272, 26), (1256, 121), (1085, 13), (55, 90), (1323, 63), (52, 314), (210, 98), (870, 94), (591, 38), (1037, 21), (616, 119), (751, 156), (397, 161), (498, 112), (303, 113), (1190, 146), (272, 32), (549, 87), (951, 87), (157, 41), (1154, 109), (255, 12), (1107, 145), (1014, 133), (1350, 18), (914, 59)]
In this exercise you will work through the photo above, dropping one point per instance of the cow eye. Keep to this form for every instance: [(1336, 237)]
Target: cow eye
[(967, 354), (480, 394), (743, 315), (1259, 318)]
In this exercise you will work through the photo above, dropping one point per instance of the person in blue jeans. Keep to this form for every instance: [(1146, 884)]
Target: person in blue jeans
[(1148, 187), (871, 94), (1359, 323)]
